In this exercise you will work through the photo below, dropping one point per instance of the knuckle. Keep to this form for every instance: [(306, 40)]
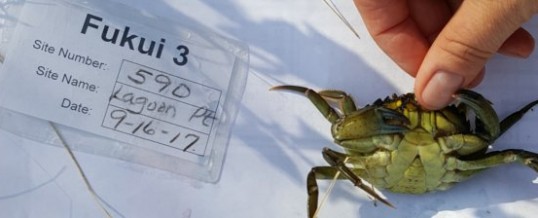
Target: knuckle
[(464, 51)]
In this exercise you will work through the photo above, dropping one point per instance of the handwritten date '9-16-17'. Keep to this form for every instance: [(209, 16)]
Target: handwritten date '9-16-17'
[(181, 138)]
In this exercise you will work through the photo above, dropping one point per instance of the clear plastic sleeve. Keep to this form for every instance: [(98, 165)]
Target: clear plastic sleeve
[(228, 57)]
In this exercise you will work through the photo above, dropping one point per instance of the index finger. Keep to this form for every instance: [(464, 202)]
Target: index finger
[(402, 34)]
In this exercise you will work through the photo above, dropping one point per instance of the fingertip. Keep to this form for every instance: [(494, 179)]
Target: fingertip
[(439, 90)]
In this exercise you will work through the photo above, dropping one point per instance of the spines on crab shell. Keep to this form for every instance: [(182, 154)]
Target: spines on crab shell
[(387, 99), (408, 102), (401, 102)]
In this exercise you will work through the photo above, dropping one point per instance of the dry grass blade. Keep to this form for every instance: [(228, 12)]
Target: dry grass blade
[(81, 172), (328, 192), (336, 11)]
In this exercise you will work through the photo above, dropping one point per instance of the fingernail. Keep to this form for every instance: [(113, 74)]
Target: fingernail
[(439, 90)]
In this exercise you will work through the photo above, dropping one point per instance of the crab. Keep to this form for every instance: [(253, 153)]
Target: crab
[(396, 145)]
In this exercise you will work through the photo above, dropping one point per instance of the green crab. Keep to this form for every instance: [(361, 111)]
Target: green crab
[(396, 145)]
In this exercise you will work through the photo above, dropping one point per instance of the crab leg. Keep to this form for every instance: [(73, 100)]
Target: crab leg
[(335, 160), (345, 102), (463, 144), (322, 172), (316, 99), (496, 158), (516, 116)]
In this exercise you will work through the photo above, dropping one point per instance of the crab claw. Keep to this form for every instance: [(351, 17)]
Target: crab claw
[(369, 121), (487, 117), (393, 121)]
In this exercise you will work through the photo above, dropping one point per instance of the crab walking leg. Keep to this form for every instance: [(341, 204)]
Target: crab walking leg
[(312, 189), (453, 177), (328, 192), (335, 159), (516, 116), (326, 110), (345, 102), (496, 158), (463, 144)]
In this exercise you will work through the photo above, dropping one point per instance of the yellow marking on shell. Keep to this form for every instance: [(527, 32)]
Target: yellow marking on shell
[(413, 117), (448, 123), (394, 104), (427, 122)]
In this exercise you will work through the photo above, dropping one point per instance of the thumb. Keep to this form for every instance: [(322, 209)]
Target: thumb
[(456, 58)]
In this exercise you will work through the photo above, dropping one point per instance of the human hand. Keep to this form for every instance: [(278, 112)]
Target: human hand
[(445, 44)]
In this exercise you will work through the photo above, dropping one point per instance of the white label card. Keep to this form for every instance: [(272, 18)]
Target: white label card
[(116, 78)]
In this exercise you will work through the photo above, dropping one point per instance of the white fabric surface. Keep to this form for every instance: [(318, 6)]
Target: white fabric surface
[(278, 137)]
